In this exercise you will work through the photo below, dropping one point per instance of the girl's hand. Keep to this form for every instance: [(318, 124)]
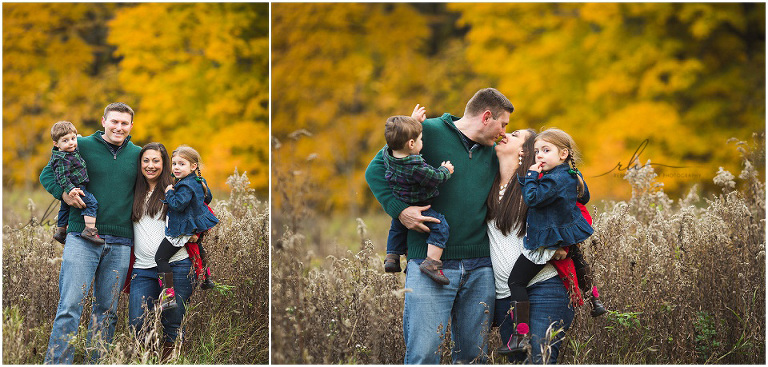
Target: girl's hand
[(169, 187), (419, 113), (536, 167), (449, 165), (560, 254)]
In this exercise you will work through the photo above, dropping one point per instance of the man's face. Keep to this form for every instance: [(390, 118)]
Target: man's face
[(117, 127), (494, 128)]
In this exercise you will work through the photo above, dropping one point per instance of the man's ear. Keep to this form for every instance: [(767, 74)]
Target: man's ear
[(487, 115)]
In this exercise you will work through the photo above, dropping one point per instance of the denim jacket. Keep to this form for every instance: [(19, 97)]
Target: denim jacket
[(554, 220), (187, 212)]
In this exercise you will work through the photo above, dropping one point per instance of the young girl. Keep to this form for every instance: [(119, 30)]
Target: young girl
[(553, 219), (187, 216)]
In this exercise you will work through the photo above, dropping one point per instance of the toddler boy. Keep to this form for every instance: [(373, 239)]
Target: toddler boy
[(413, 181), (71, 174)]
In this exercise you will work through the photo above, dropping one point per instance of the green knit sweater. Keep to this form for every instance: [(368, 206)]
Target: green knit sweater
[(461, 199), (112, 178)]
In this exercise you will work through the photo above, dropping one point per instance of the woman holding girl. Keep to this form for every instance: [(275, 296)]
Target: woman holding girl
[(149, 213), (507, 224)]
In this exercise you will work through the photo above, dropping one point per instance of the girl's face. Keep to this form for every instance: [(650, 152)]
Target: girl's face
[(512, 143), (181, 167), (151, 165), (548, 154)]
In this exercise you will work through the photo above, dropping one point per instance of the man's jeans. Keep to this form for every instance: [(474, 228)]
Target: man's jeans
[(145, 290), (84, 263), (467, 303), (549, 303)]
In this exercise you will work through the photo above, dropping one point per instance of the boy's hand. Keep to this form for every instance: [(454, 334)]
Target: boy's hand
[(169, 187), (536, 167), (447, 164), (419, 113)]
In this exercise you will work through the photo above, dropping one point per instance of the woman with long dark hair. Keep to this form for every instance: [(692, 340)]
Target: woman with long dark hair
[(148, 218), (549, 299)]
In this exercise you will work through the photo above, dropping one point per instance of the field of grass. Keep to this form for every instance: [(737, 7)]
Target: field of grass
[(684, 281), (229, 325)]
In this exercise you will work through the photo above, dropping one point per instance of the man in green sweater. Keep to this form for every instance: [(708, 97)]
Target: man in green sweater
[(467, 301), (112, 163)]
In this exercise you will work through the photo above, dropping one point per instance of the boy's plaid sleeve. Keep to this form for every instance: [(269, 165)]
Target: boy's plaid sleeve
[(428, 176), (60, 168)]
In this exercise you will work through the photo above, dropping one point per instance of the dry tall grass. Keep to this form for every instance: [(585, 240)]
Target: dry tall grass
[(685, 283), (228, 326)]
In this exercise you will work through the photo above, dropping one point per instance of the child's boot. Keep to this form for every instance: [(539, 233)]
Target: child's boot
[(434, 270), (597, 307), (92, 234), (60, 234), (518, 341), (167, 294), (207, 283), (584, 276), (392, 263)]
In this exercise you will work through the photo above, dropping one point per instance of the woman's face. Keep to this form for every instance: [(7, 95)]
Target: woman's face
[(151, 165), (512, 143)]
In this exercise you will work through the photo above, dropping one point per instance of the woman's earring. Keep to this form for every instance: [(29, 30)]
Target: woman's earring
[(520, 159)]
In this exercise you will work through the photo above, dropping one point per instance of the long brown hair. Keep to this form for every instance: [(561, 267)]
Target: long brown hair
[(511, 212), (562, 140), (154, 204)]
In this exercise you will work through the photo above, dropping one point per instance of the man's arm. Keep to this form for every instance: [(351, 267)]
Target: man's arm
[(374, 176), (48, 180), (409, 216)]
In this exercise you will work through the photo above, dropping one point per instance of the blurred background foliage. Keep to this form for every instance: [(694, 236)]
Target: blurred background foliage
[(195, 74), (683, 76)]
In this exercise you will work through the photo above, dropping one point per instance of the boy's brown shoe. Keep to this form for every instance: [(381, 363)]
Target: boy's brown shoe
[(60, 234), (91, 234), (434, 270), (392, 263)]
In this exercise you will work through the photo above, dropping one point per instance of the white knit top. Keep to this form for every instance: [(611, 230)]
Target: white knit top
[(504, 253), (148, 232)]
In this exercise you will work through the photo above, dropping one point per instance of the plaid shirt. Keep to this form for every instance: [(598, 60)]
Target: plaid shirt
[(413, 180), (69, 169)]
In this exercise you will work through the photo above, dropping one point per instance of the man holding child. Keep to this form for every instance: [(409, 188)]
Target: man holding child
[(112, 165), (467, 301)]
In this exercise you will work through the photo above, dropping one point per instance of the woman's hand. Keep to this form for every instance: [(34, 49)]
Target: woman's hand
[(419, 113), (168, 188), (560, 254)]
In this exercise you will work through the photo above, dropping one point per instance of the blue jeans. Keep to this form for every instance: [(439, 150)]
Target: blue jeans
[(397, 242), (549, 303), (467, 303), (91, 207), (84, 263), (145, 290)]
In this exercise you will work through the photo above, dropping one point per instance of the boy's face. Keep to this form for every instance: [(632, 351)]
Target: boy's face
[(417, 145), (67, 143)]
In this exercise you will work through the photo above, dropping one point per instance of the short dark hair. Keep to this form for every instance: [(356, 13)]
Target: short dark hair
[(62, 128), (398, 130), (488, 99), (118, 107)]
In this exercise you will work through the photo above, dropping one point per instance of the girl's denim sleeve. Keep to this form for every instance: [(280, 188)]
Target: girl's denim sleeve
[(538, 193), (179, 198)]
